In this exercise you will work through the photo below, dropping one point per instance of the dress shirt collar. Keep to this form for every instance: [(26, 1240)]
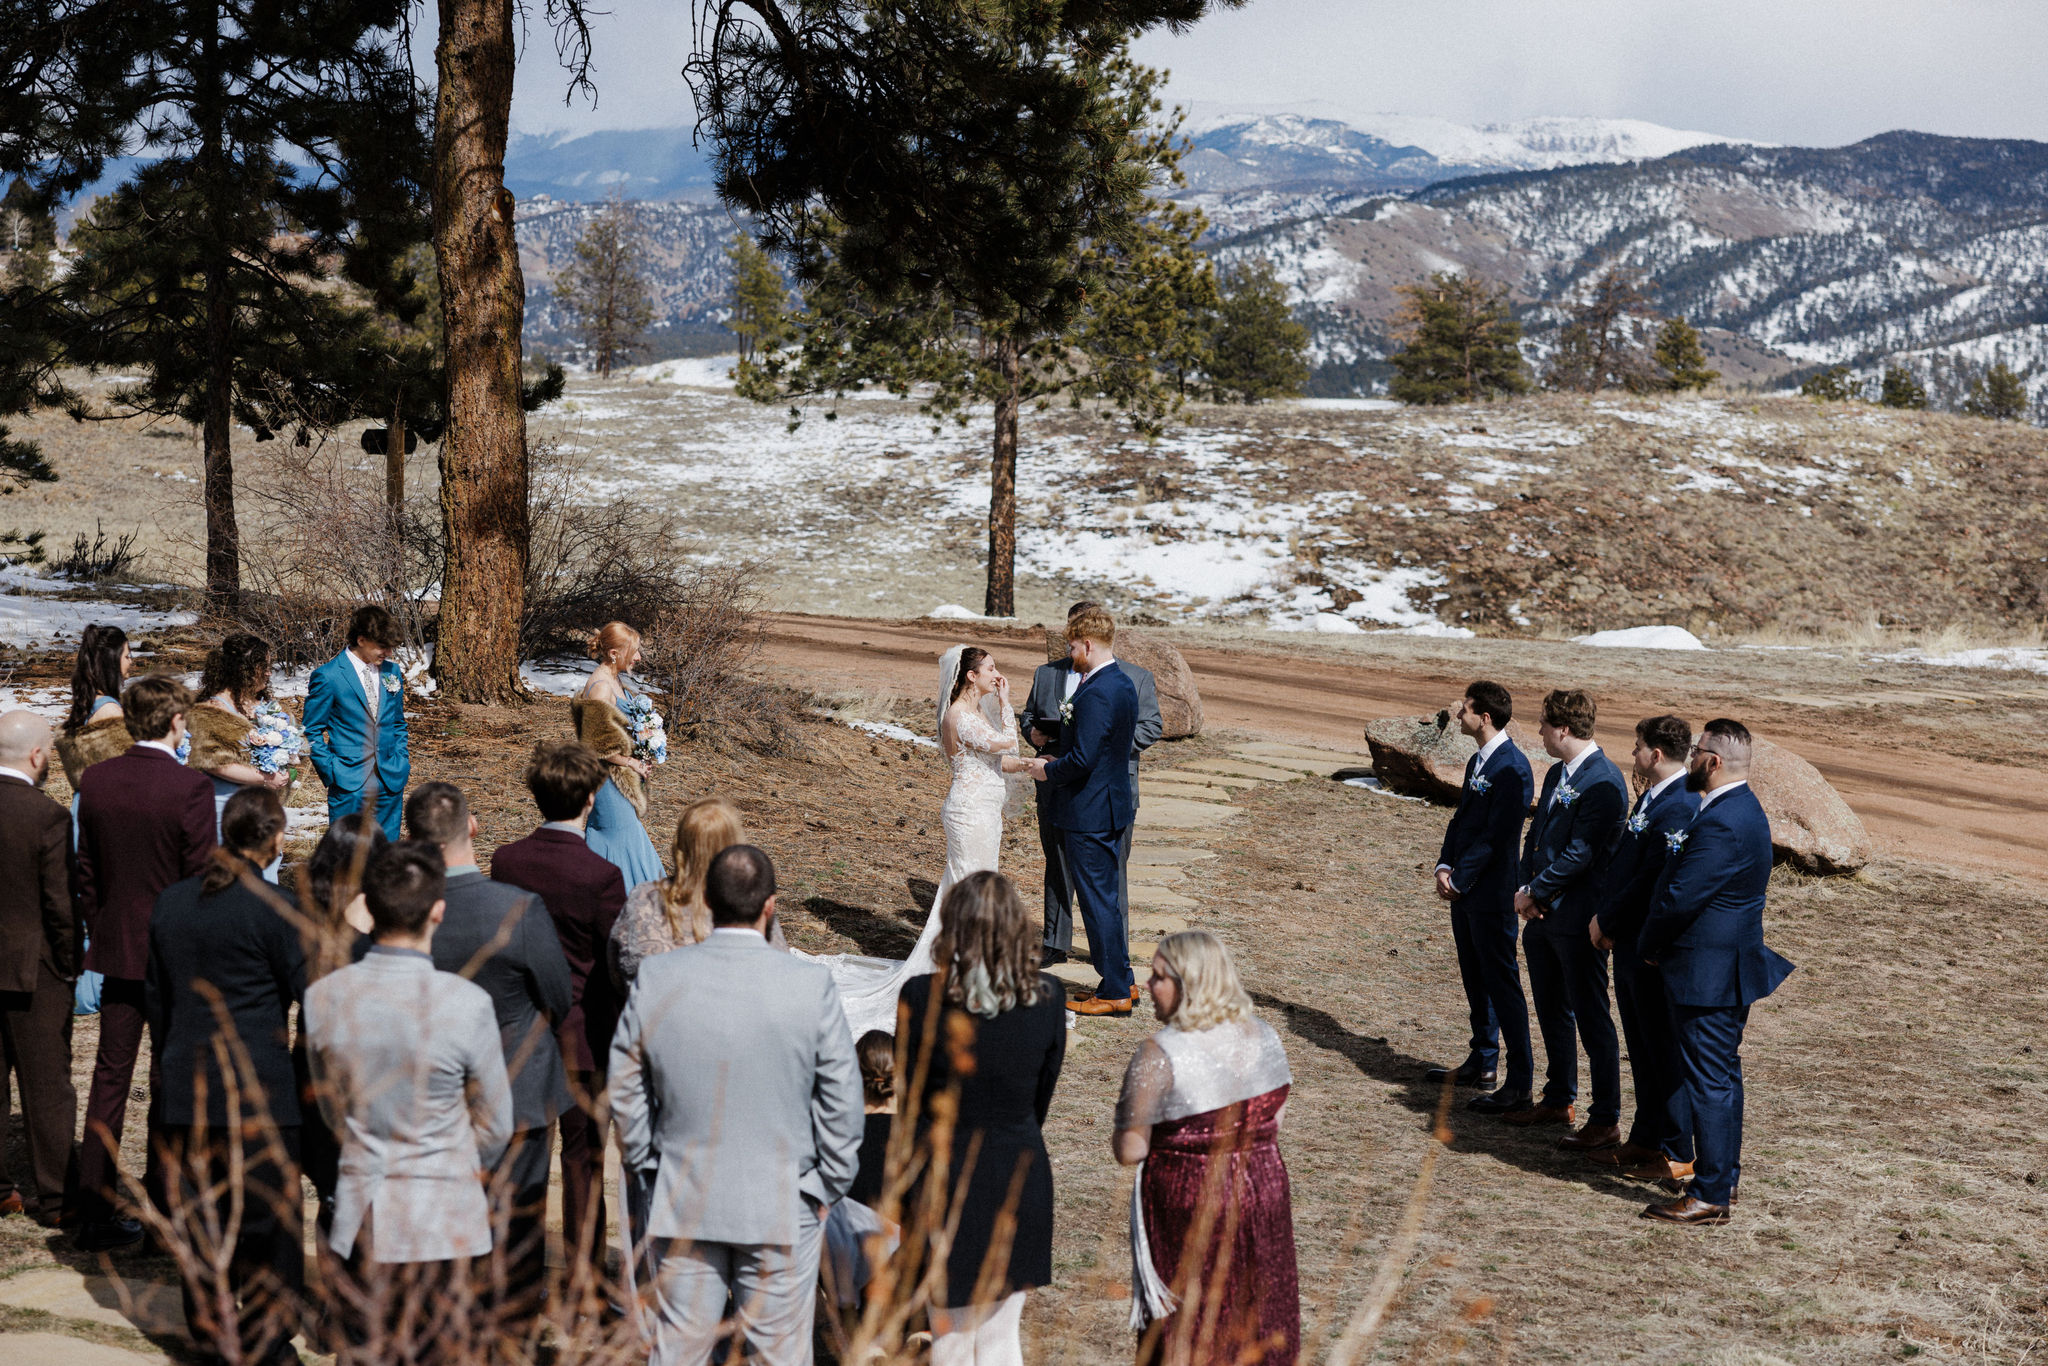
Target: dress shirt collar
[(390, 951), (1571, 766), (1109, 663), (739, 931), (364, 668), (456, 870), (1072, 679), (1658, 790), (567, 828), (1707, 799), (6, 772), (1500, 737), (164, 745)]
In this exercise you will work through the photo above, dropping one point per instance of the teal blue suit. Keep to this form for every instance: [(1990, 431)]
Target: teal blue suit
[(337, 722)]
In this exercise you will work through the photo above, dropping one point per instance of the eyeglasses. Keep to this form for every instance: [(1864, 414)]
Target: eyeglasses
[(1702, 749)]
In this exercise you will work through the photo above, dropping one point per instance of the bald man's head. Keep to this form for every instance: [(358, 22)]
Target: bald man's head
[(25, 743)]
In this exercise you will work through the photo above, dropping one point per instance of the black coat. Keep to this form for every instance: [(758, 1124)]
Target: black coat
[(501, 938), (241, 945), (1003, 1102)]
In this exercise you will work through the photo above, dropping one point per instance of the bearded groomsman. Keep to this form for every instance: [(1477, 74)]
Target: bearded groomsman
[(1476, 873), (355, 718), (1578, 819), (1705, 935), (1659, 1145)]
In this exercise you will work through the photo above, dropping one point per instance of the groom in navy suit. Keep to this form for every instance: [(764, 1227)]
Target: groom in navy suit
[(1578, 819), (1091, 778), (358, 694), (1477, 874), (1659, 1144), (1705, 935)]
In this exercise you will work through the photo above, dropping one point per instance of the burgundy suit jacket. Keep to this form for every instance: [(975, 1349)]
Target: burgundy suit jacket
[(38, 918), (144, 821), (584, 893)]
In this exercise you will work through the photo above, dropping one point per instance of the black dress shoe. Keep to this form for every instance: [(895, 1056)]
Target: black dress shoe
[(1470, 1073), (109, 1235), (1048, 955), (1501, 1102)]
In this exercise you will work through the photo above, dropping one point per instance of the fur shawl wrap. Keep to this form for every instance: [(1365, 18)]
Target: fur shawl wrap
[(216, 737), (602, 728), (92, 743)]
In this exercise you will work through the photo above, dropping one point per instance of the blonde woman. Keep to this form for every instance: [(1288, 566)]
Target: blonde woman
[(604, 715), (670, 912), (989, 1027), (1213, 1275)]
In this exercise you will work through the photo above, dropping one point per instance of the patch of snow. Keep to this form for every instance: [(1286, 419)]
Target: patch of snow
[(1373, 784), (1347, 405), (1643, 638), (888, 731), (2027, 658), (559, 677), (695, 372), (27, 622), (953, 611), (52, 704)]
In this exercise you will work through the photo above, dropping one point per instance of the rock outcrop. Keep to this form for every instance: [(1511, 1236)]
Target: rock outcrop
[(1425, 756), (1180, 704)]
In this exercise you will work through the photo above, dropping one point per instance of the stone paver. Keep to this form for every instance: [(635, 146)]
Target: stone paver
[(1145, 855), (55, 1349), (1240, 768), (1187, 791), (1175, 813), (144, 1305), (1203, 778), (1313, 760)]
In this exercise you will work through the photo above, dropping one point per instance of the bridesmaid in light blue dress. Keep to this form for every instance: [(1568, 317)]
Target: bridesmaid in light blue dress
[(615, 830)]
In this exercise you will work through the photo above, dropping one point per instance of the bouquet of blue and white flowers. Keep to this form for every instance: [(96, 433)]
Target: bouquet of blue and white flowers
[(650, 737), (274, 741)]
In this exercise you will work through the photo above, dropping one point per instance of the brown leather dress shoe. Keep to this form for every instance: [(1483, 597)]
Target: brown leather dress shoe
[(12, 1204), (1686, 1210), (1591, 1138), (1658, 1168), (1627, 1154), (1540, 1114), (1137, 993), (1095, 1005)]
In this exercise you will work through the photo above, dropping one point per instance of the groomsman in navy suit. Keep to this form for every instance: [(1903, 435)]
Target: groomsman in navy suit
[(1705, 935), (1659, 1145), (1477, 873), (358, 694), (1095, 803), (1577, 822)]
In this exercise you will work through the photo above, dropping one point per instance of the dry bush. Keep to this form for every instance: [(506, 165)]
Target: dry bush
[(589, 563), (703, 651)]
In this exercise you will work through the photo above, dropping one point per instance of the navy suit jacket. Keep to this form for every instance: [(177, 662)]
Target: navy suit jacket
[(1705, 930), (1042, 713), (1570, 839), (1091, 779), (1638, 863), (337, 722), (1485, 833)]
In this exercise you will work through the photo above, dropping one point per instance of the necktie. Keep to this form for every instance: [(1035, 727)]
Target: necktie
[(369, 692)]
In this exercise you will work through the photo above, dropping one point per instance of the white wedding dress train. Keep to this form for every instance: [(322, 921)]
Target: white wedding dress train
[(973, 819)]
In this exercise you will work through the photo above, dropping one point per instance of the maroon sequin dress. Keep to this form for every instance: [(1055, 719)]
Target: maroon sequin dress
[(1220, 1219)]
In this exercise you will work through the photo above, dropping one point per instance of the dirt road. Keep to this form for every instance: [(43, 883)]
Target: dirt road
[(1918, 803)]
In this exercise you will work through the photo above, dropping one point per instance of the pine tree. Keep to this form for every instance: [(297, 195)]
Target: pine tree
[(1460, 343), (1901, 389), (1257, 350), (28, 237), (1681, 357), (1601, 347), (759, 305), (1150, 319), (605, 288), (1997, 393), (1833, 385)]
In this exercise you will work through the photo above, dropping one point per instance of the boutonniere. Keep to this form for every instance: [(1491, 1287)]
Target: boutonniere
[(1067, 712), (1480, 782), (1566, 794), (391, 683), (1675, 839), (1639, 822)]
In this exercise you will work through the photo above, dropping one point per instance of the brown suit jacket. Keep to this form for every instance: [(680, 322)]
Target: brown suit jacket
[(144, 821), (38, 918), (583, 892)]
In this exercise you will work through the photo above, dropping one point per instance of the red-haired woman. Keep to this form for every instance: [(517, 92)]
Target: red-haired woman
[(610, 720)]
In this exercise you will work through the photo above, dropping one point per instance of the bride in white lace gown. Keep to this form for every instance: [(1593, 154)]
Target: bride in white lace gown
[(978, 735)]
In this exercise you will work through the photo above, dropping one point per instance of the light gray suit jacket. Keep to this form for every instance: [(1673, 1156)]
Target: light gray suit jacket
[(395, 1048), (733, 1077)]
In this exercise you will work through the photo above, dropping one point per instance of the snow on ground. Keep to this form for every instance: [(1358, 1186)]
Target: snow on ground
[(27, 621), (52, 704), (560, 677), (2028, 658), (1643, 638), (701, 372), (886, 731)]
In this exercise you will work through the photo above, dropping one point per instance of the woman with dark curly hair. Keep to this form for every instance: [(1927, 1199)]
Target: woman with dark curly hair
[(93, 731), (237, 677), (991, 1029)]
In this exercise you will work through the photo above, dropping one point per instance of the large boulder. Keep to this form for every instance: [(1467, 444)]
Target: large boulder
[(1180, 705), (1425, 756), (1812, 828)]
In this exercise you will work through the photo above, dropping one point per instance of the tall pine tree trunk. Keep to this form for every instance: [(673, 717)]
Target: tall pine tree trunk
[(483, 454), (1002, 486), (394, 465), (217, 424)]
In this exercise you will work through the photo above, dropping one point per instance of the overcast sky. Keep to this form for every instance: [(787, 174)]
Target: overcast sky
[(1809, 72)]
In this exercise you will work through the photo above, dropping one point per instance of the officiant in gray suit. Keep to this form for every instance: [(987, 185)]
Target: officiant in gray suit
[(1052, 687), (733, 1082)]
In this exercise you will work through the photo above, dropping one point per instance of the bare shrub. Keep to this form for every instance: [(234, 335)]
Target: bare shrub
[(589, 563), (703, 650), (96, 560)]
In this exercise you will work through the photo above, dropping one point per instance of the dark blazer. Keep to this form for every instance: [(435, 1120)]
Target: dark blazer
[(1092, 791), (144, 821), (38, 918), (583, 892), (1570, 839), (1638, 863), (1705, 930), (242, 945), (337, 722), (1049, 689), (1481, 842), (501, 938)]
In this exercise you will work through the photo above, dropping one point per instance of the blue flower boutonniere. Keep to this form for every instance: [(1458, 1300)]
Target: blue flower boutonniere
[(1675, 840), (1566, 794), (1639, 822), (1480, 782)]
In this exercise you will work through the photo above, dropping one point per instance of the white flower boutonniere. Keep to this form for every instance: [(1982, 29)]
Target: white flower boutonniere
[(1480, 782), (1566, 794), (392, 683), (1675, 839), (1639, 822), (1067, 712)]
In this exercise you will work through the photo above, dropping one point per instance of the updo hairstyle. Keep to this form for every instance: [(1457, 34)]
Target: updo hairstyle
[(610, 637), (970, 659)]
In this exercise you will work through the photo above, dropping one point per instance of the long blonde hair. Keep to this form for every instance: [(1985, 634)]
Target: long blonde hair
[(1210, 993), (707, 827)]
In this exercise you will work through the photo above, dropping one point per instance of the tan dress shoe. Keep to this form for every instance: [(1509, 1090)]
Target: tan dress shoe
[(1095, 1005), (1658, 1168), (1591, 1138), (1540, 1114), (1686, 1209), (1626, 1155)]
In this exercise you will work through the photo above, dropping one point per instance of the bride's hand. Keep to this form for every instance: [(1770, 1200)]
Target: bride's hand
[(1012, 764), (1003, 688)]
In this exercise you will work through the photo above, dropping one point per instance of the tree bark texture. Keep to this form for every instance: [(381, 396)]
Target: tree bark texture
[(483, 454), (1002, 486), (217, 421), (394, 464)]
